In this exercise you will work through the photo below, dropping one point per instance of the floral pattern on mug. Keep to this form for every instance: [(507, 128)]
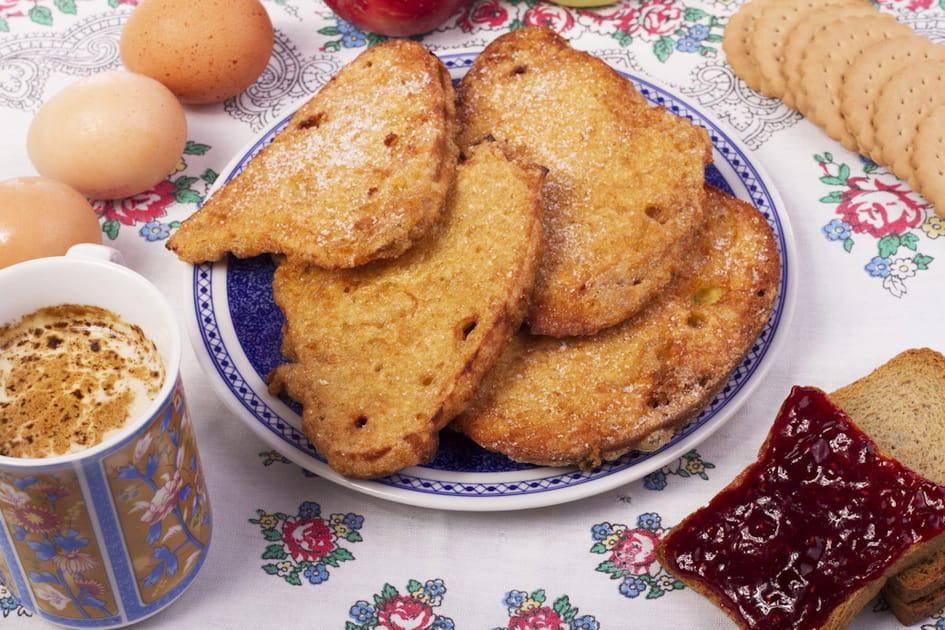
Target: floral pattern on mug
[(631, 556), (392, 610), (163, 510), (303, 546), (528, 611), (48, 522), (875, 204)]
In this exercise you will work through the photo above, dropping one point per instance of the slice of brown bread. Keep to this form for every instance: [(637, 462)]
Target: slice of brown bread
[(910, 612), (360, 172), (384, 355), (624, 189), (901, 406), (581, 400)]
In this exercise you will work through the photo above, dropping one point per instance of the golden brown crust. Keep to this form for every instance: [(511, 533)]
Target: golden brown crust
[(360, 172), (585, 399), (386, 354), (624, 189)]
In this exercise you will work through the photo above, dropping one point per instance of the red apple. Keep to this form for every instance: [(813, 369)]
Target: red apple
[(395, 18)]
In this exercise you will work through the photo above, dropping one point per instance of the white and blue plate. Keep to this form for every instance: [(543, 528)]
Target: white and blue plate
[(236, 331)]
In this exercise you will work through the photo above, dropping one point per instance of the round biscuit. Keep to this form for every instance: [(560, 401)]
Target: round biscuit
[(928, 158), (798, 38), (867, 76), (771, 29), (904, 101), (826, 60), (737, 45)]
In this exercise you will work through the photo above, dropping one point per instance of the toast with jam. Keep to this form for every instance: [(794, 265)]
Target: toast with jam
[(359, 173), (830, 510), (899, 405)]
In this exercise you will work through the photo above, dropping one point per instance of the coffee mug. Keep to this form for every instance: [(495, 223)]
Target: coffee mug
[(114, 533)]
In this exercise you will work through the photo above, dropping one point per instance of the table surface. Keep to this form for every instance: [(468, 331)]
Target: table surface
[(868, 279)]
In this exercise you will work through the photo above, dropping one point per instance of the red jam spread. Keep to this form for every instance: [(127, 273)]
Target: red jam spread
[(817, 517)]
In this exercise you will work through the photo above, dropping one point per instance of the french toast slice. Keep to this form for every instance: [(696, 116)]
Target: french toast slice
[(360, 172), (384, 355), (624, 190), (582, 400)]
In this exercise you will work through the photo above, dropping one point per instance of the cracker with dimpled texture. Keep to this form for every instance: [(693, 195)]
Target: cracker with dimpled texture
[(869, 73), (771, 29), (905, 100), (737, 42), (798, 38), (828, 57), (928, 158)]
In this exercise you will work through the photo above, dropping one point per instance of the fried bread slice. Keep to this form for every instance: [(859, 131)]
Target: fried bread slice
[(624, 190), (582, 400), (384, 355), (360, 172)]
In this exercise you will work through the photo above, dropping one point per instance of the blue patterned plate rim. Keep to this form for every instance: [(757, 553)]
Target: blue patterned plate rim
[(235, 324)]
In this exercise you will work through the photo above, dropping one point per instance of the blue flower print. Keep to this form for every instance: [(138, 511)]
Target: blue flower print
[(602, 531), (655, 480), (687, 45), (316, 574), (362, 612), (649, 521), (154, 231), (309, 509), (698, 32), (514, 599), (632, 586), (443, 623), (837, 230), (586, 622), (353, 521), (351, 35), (878, 267), (434, 588)]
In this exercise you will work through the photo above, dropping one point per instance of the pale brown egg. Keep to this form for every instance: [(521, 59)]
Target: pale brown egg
[(110, 135), (42, 217), (204, 51)]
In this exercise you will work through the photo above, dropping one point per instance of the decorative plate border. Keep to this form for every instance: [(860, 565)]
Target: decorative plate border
[(220, 352)]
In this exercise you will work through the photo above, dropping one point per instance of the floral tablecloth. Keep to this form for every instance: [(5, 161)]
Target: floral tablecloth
[(292, 549)]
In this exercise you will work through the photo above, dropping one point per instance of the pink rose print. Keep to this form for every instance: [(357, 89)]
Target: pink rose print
[(307, 539), (908, 5), (871, 206), (652, 19), (634, 552), (404, 613), (488, 14), (550, 16), (143, 207), (538, 619)]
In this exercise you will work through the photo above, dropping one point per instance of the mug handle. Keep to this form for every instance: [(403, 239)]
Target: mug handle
[(96, 252)]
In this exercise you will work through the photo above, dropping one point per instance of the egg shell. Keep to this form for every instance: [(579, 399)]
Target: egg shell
[(42, 217), (204, 51), (109, 135)]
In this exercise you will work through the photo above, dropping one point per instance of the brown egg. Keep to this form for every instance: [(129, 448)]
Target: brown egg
[(42, 217), (110, 135), (204, 51)]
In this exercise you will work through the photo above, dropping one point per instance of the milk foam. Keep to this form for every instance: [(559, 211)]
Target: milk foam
[(71, 376)]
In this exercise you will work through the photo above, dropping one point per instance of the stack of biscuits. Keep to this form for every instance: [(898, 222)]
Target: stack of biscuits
[(870, 82), (532, 258)]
